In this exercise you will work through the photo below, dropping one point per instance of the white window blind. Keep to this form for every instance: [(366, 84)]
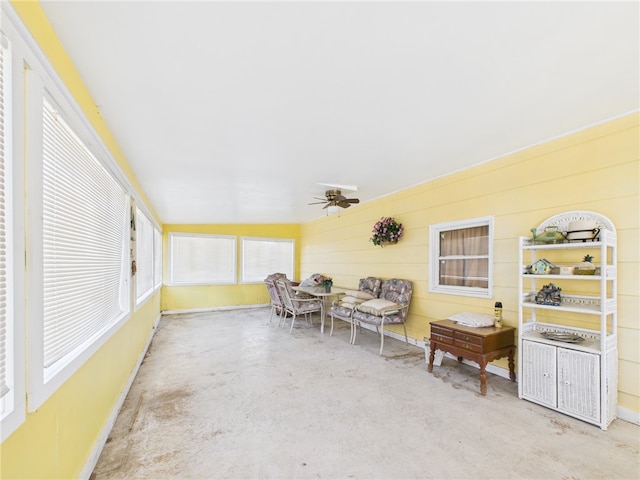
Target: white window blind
[(85, 257), (264, 256), (157, 258), (202, 259), (144, 255), (6, 317)]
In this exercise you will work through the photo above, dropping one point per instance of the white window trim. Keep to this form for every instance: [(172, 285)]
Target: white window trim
[(154, 285), (39, 387), (284, 240), (25, 51), (15, 402), (158, 259), (434, 256), (173, 282)]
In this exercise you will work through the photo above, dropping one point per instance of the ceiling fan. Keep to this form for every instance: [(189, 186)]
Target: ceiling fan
[(334, 198)]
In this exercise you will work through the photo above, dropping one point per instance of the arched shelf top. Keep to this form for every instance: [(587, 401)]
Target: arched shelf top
[(562, 220)]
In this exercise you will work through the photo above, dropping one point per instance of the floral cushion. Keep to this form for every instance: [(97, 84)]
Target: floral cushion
[(396, 291), (371, 285), (342, 310)]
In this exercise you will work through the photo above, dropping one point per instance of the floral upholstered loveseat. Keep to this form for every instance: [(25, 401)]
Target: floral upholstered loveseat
[(376, 303)]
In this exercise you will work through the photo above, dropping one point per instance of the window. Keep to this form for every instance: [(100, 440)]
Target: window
[(263, 256), (144, 256), (202, 259), (157, 258), (461, 257), (82, 289), (11, 351)]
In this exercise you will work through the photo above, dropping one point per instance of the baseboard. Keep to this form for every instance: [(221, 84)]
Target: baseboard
[(500, 371), (86, 472), (622, 414), (628, 415), (214, 309)]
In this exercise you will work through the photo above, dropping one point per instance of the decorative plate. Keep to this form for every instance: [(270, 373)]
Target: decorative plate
[(562, 337)]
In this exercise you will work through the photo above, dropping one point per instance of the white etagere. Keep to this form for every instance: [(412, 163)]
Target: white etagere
[(578, 379)]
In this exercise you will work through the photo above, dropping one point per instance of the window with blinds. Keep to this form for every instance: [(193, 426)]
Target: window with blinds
[(6, 315), (84, 245), (202, 259), (144, 256), (264, 256)]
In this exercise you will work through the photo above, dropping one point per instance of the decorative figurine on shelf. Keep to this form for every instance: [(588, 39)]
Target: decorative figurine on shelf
[(586, 267), (550, 235), (549, 295), (541, 267)]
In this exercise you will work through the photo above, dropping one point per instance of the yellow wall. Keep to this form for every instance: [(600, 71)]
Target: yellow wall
[(211, 296), (596, 169), (57, 440)]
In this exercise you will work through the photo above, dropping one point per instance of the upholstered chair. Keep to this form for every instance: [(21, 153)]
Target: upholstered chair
[(295, 304), (342, 309), (391, 308)]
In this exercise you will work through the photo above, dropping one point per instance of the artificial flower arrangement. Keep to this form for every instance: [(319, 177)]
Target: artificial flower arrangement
[(386, 230), (327, 283)]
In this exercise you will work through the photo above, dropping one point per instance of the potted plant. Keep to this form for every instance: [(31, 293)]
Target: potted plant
[(327, 283), (386, 231)]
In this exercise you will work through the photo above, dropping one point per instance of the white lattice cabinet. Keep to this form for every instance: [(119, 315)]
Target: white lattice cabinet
[(579, 377)]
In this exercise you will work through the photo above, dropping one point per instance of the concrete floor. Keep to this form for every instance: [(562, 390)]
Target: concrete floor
[(230, 395)]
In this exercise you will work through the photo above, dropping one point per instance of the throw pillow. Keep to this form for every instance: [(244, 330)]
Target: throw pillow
[(471, 319), (359, 294), (378, 306), (351, 300)]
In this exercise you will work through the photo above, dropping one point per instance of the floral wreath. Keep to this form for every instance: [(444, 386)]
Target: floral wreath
[(386, 230)]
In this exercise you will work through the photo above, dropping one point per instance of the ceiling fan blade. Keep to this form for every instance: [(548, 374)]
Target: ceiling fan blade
[(317, 203), (352, 200), (344, 204)]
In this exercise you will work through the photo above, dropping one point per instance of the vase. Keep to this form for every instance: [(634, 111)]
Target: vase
[(327, 288)]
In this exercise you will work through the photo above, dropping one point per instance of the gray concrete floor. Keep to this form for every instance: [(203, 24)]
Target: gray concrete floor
[(230, 395)]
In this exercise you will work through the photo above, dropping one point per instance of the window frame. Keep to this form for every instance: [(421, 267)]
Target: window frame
[(43, 381), (232, 243), (13, 405), (31, 68), (157, 258), (140, 217), (288, 271), (435, 258)]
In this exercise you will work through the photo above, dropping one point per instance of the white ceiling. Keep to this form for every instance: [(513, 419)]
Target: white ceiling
[(233, 112)]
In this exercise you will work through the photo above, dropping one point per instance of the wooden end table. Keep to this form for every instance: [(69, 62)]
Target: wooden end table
[(481, 345)]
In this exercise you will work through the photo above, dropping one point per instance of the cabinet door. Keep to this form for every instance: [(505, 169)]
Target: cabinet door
[(539, 373), (579, 383)]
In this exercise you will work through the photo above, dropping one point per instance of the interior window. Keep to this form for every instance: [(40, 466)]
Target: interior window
[(263, 256), (461, 257), (202, 259)]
